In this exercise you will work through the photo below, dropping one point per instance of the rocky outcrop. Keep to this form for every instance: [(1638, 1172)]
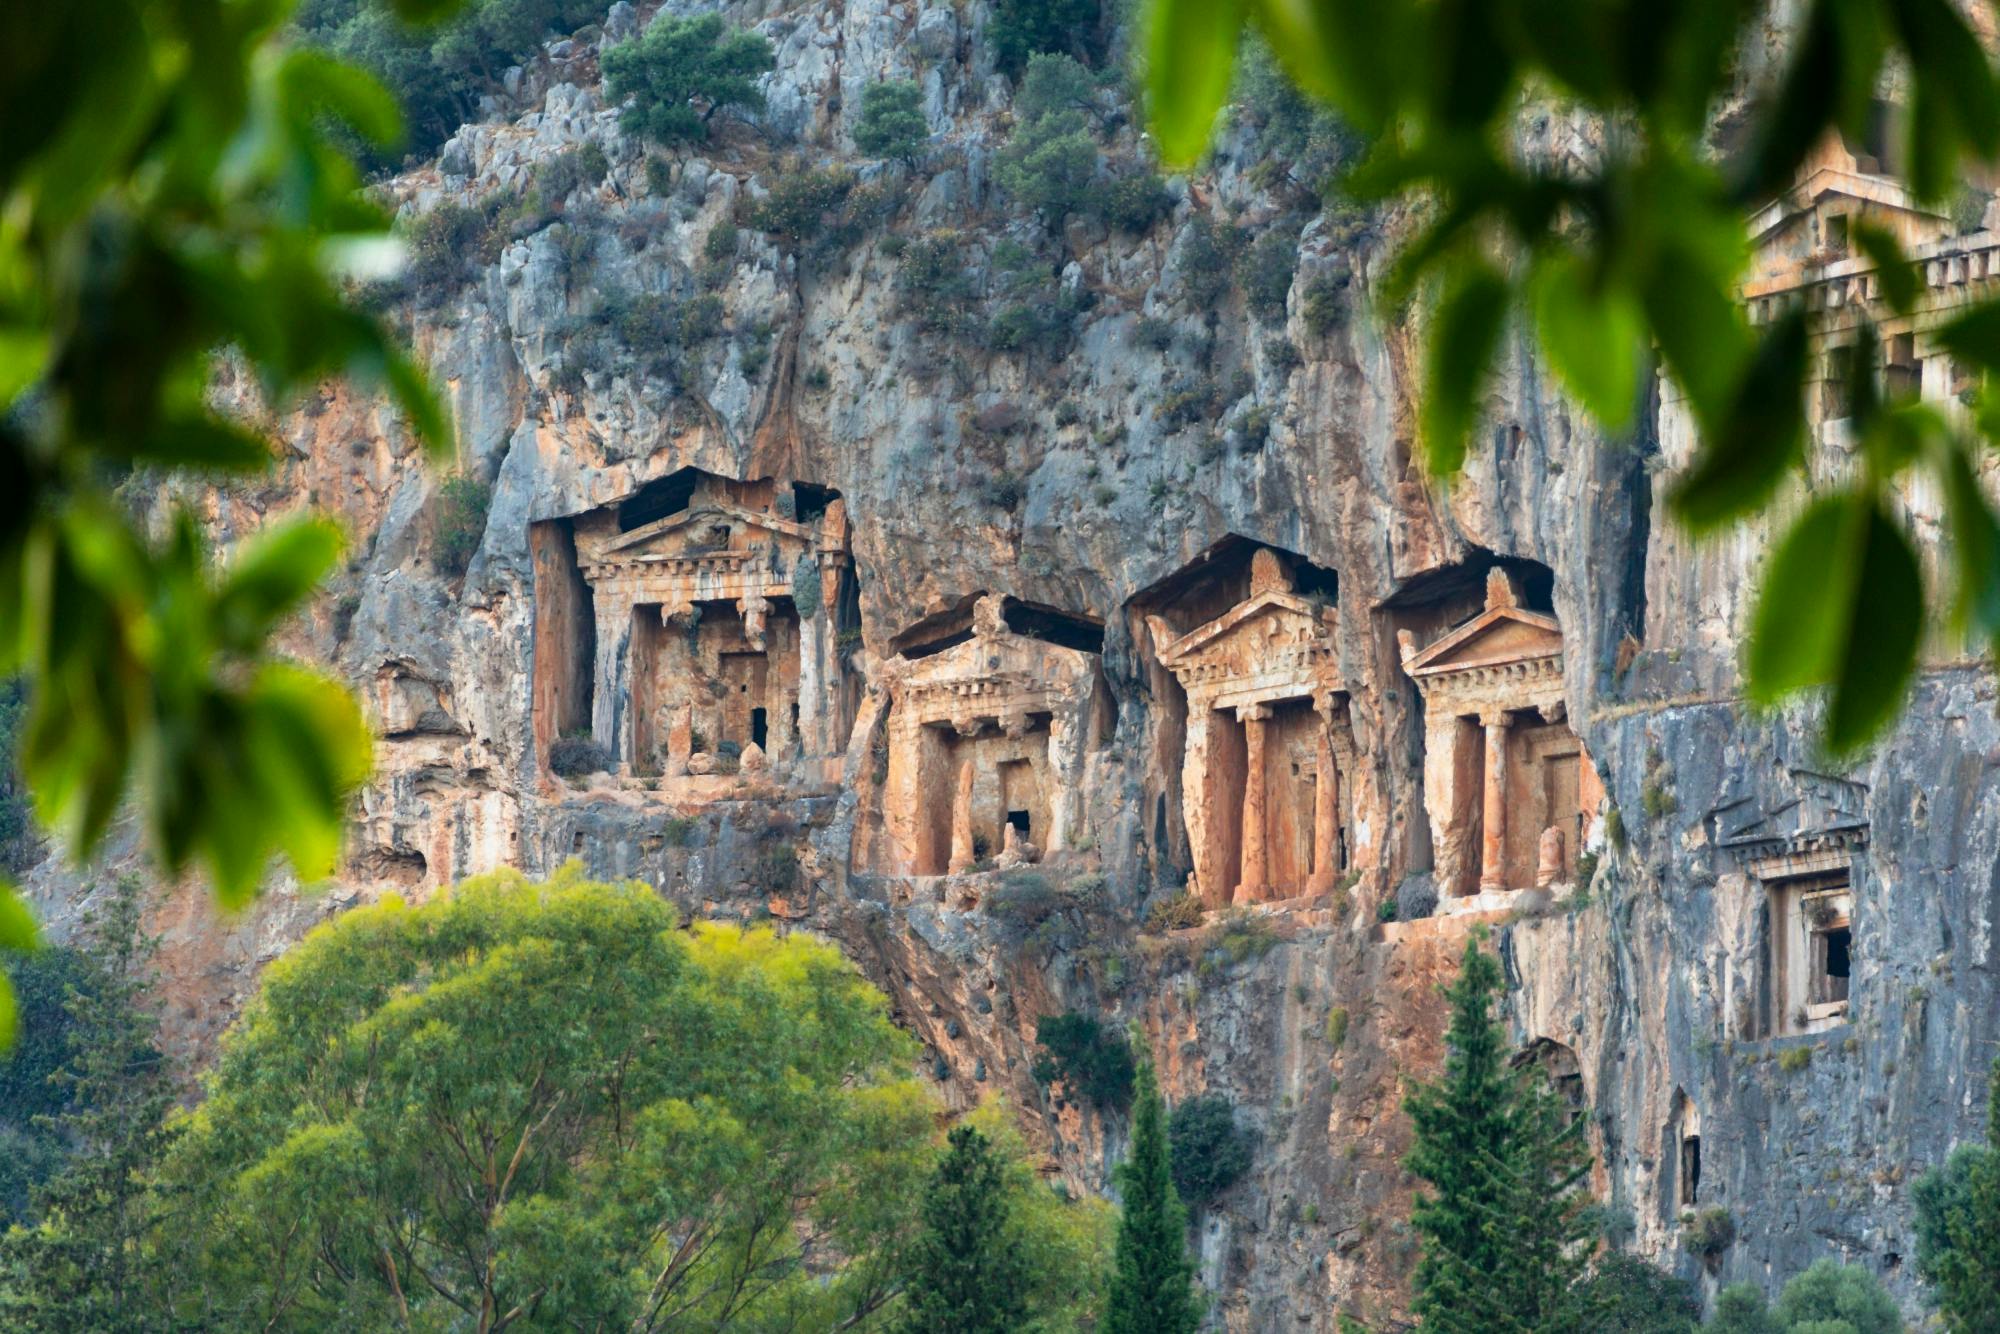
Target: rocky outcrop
[(1146, 461)]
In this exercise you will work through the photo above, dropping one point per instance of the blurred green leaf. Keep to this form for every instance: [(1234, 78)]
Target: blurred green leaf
[(24, 353), (1592, 333), (356, 98), (271, 577), (1465, 333), (1898, 277), (1747, 453), (1975, 537), (1190, 58), (17, 924), (1354, 53), (1841, 606), (204, 442)]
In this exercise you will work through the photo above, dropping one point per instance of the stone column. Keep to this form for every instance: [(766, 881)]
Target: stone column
[(961, 822), (1326, 808), (1254, 883), (1493, 811)]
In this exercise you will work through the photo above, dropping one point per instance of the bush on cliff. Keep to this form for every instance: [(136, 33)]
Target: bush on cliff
[(1093, 1063), (1210, 1151), (892, 120), (461, 504), (1958, 1228), (679, 72)]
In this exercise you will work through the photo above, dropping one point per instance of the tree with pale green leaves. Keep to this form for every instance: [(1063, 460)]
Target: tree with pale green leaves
[(170, 190), (1631, 260), (546, 1105)]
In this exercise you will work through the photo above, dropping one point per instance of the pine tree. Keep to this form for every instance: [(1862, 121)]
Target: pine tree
[(1506, 1227), (1958, 1228), (84, 1266), (966, 1276), (1151, 1281)]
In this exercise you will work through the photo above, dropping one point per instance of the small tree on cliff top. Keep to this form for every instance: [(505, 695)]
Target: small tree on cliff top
[(1151, 1286), (1506, 1231), (679, 62)]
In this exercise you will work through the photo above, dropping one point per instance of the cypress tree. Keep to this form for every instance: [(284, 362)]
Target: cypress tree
[(1151, 1281), (1506, 1225), (966, 1277)]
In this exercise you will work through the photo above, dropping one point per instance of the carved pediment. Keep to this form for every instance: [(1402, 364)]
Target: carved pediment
[(1495, 637), (708, 530), (1810, 811), (1269, 626)]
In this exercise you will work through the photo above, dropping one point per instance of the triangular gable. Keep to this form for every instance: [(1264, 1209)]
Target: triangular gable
[(1305, 618), (995, 657), (1879, 192), (648, 535), (1819, 805), (1499, 634)]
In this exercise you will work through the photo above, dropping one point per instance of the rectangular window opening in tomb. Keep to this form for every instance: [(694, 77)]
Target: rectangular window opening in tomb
[(1267, 750), (1510, 794), (719, 628), (1690, 1170), (1810, 951), (986, 739)]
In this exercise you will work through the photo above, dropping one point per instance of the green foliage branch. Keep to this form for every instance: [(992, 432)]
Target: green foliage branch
[(170, 189)]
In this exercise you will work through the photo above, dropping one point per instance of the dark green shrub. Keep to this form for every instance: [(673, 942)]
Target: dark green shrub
[(932, 284), (1282, 355), (1323, 304), (1177, 913), (719, 246), (676, 62), (448, 244), (802, 205), (1265, 269), (1633, 1297), (569, 171), (892, 120), (575, 756), (659, 175), (460, 510), (1134, 203), (1710, 1232), (700, 319), (1093, 1064), (1023, 899), (1210, 1151), (1021, 28), (679, 830), (1051, 159), (1245, 936), (1153, 332), (1205, 261)]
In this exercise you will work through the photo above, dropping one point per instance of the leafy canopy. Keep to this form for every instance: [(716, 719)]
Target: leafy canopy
[(545, 1103), (1636, 255), (1828, 1298), (663, 73), (170, 189), (1210, 1151)]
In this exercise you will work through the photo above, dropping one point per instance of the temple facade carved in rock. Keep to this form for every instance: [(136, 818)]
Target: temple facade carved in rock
[(1267, 814), (1509, 790), (715, 607)]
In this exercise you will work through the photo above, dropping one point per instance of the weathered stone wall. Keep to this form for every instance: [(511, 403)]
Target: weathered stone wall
[(1311, 1036)]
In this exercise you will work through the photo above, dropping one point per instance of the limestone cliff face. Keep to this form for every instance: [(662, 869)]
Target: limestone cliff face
[(1108, 498)]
